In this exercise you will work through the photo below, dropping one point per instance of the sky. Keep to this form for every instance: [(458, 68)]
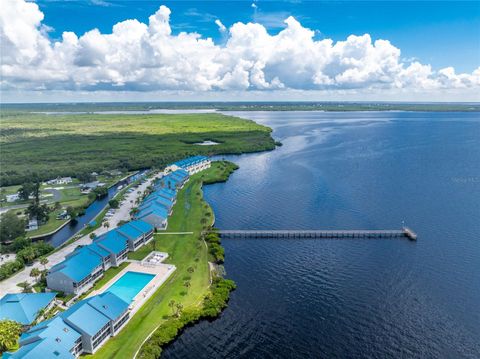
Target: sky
[(102, 50)]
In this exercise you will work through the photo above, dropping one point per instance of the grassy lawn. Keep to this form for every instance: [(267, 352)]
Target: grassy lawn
[(184, 251), (52, 224), (64, 145)]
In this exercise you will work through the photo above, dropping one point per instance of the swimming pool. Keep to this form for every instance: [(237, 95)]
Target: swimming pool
[(130, 284)]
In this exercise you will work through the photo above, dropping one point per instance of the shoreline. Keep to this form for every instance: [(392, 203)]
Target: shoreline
[(157, 323)]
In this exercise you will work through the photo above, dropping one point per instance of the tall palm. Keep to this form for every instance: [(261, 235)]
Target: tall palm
[(179, 307), (171, 304), (44, 262), (40, 314), (35, 273), (27, 288)]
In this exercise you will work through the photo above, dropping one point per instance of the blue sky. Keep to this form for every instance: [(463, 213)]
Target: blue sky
[(69, 50), (441, 33)]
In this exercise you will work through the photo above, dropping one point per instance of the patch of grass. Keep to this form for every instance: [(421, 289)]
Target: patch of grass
[(51, 225), (183, 251), (64, 145), (109, 274)]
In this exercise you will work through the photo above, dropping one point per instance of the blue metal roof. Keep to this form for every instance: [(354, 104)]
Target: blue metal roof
[(159, 200), (55, 337), (190, 161), (166, 193), (42, 348), (94, 247), (158, 209), (55, 329), (161, 186), (113, 241), (130, 231), (181, 173), (78, 264), (23, 308), (169, 180), (85, 317), (108, 304), (142, 226), (149, 211)]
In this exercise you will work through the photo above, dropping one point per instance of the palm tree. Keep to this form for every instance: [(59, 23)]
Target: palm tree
[(179, 307), (9, 333), (187, 285), (106, 225), (133, 212), (40, 314), (27, 288), (34, 273), (190, 270), (44, 262), (171, 304), (29, 254)]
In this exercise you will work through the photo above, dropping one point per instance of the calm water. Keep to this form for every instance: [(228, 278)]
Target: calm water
[(352, 298), (130, 284)]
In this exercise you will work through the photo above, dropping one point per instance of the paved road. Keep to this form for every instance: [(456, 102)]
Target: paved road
[(9, 285)]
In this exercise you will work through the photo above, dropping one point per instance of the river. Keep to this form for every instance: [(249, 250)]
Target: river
[(351, 298)]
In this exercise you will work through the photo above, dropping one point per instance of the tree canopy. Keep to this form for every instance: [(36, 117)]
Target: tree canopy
[(9, 333), (11, 227)]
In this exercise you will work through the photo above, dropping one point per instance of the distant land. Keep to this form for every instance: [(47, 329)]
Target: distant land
[(68, 145), (245, 106)]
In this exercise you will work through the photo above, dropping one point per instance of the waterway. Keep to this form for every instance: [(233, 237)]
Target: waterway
[(68, 231), (351, 298)]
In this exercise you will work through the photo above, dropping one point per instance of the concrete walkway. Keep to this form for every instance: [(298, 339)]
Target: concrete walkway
[(9, 285)]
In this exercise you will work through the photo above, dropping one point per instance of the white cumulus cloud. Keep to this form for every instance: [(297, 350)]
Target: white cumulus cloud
[(138, 56)]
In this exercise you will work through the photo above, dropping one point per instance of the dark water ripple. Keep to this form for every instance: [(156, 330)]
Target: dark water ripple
[(352, 298)]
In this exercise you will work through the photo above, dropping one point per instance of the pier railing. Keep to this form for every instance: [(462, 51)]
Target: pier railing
[(318, 234)]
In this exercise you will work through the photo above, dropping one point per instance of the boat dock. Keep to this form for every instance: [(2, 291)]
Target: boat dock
[(319, 234)]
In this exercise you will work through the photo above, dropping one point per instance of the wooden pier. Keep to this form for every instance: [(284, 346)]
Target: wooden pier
[(319, 234)]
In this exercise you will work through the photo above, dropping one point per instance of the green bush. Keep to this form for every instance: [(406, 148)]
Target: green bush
[(9, 268), (217, 252), (214, 247), (113, 203)]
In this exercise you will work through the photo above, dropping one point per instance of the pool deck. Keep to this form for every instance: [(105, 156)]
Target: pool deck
[(161, 271)]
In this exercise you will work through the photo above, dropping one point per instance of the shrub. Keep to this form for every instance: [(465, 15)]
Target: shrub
[(9, 268), (113, 203)]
